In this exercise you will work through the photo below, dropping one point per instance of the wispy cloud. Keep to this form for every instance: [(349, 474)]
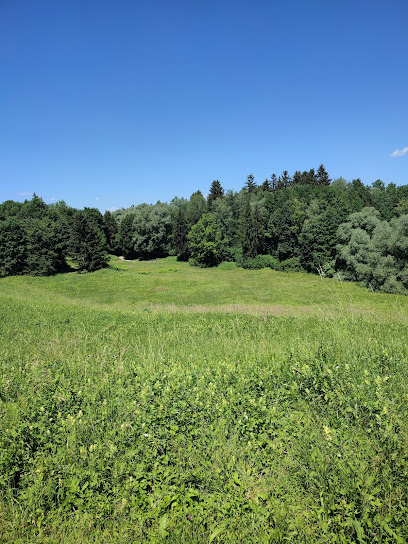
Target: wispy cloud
[(24, 193), (50, 199), (400, 152), (98, 198), (113, 209)]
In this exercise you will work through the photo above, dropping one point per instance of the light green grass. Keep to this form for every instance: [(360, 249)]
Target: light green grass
[(167, 284), (275, 408)]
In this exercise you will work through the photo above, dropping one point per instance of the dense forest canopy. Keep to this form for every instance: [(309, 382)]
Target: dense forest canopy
[(304, 222)]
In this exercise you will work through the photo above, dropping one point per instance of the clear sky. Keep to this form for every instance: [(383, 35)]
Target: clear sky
[(108, 103)]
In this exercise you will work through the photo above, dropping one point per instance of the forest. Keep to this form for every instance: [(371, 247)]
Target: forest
[(304, 222)]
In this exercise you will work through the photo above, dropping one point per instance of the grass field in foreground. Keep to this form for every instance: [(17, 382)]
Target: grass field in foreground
[(165, 403)]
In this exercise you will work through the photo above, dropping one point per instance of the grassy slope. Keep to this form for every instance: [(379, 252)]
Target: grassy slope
[(168, 283), (289, 423)]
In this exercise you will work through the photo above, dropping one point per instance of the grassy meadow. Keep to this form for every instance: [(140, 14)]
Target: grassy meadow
[(157, 402)]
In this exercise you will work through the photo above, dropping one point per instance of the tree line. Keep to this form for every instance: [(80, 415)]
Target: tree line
[(305, 222)]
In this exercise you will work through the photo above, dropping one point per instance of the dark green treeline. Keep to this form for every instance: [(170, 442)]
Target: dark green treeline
[(304, 222)]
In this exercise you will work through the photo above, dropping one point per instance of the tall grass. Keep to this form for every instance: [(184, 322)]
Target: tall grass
[(155, 421)]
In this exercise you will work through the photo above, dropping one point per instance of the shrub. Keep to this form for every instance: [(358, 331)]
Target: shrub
[(291, 265), (261, 261)]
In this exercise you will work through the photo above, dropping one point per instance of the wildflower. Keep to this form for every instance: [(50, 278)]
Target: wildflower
[(329, 433), (146, 435)]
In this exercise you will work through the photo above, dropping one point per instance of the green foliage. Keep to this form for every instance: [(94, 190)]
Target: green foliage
[(126, 236), (317, 240), (322, 177), (216, 191), (290, 218), (226, 223), (31, 239), (111, 231), (204, 242), (284, 226), (195, 208), (179, 233), (13, 247), (374, 252), (291, 265), (250, 185), (251, 230), (45, 249), (151, 229), (261, 261), (87, 243)]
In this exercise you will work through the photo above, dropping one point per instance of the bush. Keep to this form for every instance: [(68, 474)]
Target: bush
[(260, 261), (291, 265)]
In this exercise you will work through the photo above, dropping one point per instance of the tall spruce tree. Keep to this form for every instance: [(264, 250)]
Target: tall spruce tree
[(87, 243), (297, 178), (266, 186), (285, 179), (195, 208), (322, 177), (216, 191), (111, 230), (13, 247), (250, 185), (179, 233), (274, 182)]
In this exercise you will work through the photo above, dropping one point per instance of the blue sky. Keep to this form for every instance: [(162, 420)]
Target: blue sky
[(113, 103)]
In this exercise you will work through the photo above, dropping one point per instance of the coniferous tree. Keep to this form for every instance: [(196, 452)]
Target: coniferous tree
[(279, 184), (391, 199), (111, 230), (195, 208), (45, 252), (87, 243), (274, 182), (322, 177), (359, 195), (216, 191), (31, 240), (311, 177), (13, 247), (126, 236), (317, 240), (245, 230), (266, 186), (179, 233), (250, 185), (297, 178), (285, 179)]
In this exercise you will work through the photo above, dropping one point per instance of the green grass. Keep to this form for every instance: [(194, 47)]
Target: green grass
[(168, 284), (165, 403)]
